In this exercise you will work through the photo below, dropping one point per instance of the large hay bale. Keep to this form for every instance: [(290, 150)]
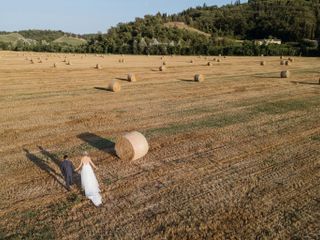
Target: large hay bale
[(131, 146), (285, 74), (263, 63), (132, 77), (162, 68), (198, 78), (114, 86)]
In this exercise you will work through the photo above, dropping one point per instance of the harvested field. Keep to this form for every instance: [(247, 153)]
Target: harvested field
[(235, 157)]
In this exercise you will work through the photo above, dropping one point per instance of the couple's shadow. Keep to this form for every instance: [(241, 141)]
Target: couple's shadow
[(47, 159), (44, 162)]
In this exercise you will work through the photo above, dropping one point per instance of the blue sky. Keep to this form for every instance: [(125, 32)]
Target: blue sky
[(85, 16)]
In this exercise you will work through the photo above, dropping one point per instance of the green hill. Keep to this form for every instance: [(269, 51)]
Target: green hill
[(70, 41), (11, 37), (184, 26)]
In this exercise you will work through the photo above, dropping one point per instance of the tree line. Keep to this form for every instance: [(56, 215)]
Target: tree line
[(231, 30)]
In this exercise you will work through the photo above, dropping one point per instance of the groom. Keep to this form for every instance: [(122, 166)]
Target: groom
[(67, 170)]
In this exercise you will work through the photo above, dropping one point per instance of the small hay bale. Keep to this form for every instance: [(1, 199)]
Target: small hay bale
[(31, 61), (285, 74), (282, 62), (164, 63), (98, 66), (209, 64), (191, 61), (131, 146), (114, 86), (198, 78), (214, 59), (291, 59), (281, 57), (162, 68), (287, 63), (218, 60), (132, 77), (263, 63), (54, 65), (69, 63)]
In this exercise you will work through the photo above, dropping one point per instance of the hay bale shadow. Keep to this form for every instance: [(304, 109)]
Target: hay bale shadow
[(186, 80), (103, 89), (305, 83), (98, 142), (123, 79)]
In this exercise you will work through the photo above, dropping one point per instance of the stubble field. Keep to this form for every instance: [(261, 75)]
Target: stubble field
[(234, 157)]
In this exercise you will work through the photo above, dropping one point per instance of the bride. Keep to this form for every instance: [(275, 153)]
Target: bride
[(88, 180)]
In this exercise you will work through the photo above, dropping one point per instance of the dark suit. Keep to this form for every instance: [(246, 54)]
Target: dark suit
[(67, 170)]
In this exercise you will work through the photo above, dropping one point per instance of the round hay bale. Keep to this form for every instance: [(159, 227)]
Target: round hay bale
[(214, 59), (132, 77), (164, 63), (69, 63), (281, 57), (209, 64), (287, 63), (291, 59), (263, 63), (198, 78), (114, 86), (131, 146), (191, 61), (98, 66), (282, 62), (285, 74), (218, 60), (54, 65), (31, 61), (162, 68)]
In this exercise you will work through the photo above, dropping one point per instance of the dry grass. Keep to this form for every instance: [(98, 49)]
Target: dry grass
[(236, 156)]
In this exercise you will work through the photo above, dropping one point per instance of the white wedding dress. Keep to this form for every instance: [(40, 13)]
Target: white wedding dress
[(90, 184)]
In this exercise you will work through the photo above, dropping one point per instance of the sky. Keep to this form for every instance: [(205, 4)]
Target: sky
[(86, 16)]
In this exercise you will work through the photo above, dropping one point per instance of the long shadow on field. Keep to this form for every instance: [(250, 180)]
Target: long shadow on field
[(102, 89), (186, 80), (98, 142), (56, 160), (306, 83), (265, 76), (123, 79), (43, 166)]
